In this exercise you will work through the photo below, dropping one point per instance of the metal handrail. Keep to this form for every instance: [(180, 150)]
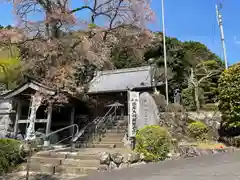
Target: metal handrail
[(64, 139), (59, 130), (97, 120), (84, 128), (102, 119), (78, 134)]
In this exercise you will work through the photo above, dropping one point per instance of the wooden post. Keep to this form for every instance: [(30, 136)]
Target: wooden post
[(72, 118), (122, 111), (29, 159), (48, 126), (18, 114), (72, 121)]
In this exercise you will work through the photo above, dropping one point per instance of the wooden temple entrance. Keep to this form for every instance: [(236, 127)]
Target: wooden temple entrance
[(49, 117)]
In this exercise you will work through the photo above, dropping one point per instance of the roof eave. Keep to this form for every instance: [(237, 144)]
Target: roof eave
[(29, 84), (122, 90)]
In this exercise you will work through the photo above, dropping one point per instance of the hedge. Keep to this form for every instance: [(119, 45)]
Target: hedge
[(153, 142), (229, 98), (10, 154)]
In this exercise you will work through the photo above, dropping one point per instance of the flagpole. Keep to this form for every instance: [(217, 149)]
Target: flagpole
[(165, 54)]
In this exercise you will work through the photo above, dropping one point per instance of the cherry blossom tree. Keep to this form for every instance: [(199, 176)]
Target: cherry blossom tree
[(58, 14), (61, 40)]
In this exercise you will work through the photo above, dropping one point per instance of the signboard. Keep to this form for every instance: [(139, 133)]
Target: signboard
[(133, 111)]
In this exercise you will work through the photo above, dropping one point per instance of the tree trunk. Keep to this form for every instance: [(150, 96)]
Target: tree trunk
[(196, 94)]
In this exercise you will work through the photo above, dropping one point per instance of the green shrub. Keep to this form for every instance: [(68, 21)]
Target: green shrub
[(188, 98), (198, 130), (229, 98), (10, 154), (154, 142)]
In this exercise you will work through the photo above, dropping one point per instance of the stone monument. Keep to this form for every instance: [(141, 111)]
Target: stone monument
[(149, 113)]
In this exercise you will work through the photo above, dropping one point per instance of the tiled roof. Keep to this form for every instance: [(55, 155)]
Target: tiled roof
[(121, 80)]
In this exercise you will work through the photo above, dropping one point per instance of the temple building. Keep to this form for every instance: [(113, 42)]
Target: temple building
[(108, 88)]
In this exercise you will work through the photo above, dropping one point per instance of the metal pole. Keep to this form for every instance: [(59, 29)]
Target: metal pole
[(165, 53), (219, 20)]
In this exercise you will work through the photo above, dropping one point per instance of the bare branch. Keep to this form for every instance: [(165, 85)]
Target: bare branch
[(82, 8), (208, 75)]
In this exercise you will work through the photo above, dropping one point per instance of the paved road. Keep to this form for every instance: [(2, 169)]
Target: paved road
[(225, 166)]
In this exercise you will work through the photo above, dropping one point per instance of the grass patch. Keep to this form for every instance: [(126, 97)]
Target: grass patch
[(210, 145)]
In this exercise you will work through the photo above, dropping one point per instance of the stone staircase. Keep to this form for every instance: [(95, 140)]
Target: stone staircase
[(82, 161)]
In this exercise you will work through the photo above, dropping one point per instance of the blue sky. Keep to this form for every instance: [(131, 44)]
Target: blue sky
[(187, 20), (196, 20)]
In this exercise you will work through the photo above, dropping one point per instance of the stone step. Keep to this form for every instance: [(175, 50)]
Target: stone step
[(83, 156), (117, 127), (96, 151), (112, 139), (113, 135), (62, 169), (46, 160), (76, 162), (121, 123), (51, 155), (115, 131), (42, 168), (59, 176), (80, 163), (57, 156), (107, 145), (87, 151)]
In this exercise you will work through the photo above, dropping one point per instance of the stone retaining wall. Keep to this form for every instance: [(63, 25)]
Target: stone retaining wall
[(177, 122), (112, 161)]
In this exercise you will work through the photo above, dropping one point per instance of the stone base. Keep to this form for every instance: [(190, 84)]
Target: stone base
[(46, 143)]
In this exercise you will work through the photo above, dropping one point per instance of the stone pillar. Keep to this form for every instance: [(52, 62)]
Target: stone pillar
[(48, 126), (18, 115)]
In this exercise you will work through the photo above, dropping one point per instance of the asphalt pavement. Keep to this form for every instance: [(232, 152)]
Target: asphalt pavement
[(222, 166)]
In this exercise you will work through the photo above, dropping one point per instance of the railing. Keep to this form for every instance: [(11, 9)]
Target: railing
[(96, 129), (86, 134), (107, 115), (90, 132), (45, 136), (104, 123)]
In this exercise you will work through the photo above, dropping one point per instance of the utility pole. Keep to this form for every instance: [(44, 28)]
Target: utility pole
[(165, 53), (220, 24)]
